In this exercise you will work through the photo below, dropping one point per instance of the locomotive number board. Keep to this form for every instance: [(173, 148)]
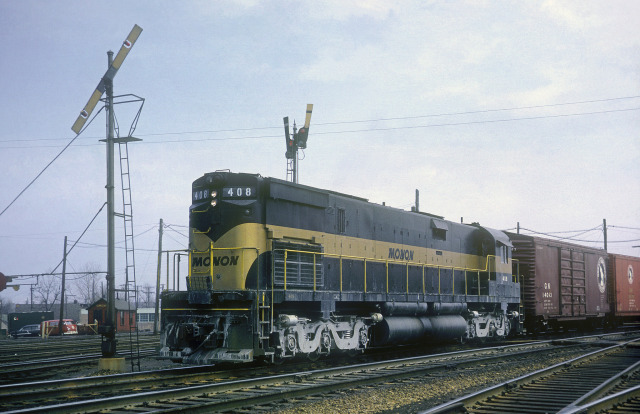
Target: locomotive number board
[(239, 192)]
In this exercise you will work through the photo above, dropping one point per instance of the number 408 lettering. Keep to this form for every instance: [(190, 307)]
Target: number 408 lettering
[(239, 192)]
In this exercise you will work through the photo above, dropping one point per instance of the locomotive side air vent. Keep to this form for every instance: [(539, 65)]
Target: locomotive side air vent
[(300, 259)]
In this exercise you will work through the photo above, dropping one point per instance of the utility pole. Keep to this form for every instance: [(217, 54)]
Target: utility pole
[(109, 333), (64, 271), (155, 322), (604, 229)]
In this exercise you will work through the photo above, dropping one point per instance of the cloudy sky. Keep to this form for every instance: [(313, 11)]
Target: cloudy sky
[(496, 111)]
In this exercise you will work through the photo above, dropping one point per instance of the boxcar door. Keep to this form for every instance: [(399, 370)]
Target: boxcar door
[(572, 282)]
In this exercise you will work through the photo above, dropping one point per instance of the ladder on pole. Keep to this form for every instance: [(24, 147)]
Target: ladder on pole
[(130, 287)]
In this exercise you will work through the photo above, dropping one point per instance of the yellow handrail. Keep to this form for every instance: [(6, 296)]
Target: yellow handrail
[(387, 262)]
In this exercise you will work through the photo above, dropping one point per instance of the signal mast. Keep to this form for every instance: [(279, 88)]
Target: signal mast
[(109, 358), (299, 140)]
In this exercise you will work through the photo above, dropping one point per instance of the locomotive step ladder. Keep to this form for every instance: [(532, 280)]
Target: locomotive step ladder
[(264, 322)]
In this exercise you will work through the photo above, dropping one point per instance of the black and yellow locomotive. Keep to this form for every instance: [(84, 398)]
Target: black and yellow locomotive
[(278, 269)]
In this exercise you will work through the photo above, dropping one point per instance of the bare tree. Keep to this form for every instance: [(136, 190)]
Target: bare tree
[(47, 291), (6, 306), (87, 285), (147, 295)]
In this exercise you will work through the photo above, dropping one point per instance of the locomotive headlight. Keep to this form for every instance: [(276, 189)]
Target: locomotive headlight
[(214, 202), (214, 194)]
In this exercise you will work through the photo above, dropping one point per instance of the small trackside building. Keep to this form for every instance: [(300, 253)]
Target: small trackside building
[(125, 314)]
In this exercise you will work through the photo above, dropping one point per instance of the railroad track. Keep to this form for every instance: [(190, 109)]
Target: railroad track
[(39, 360), (574, 386), (25, 349), (16, 372), (230, 394)]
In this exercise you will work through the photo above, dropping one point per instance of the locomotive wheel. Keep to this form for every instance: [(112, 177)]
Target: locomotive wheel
[(291, 343), (363, 338), (507, 327), (325, 342)]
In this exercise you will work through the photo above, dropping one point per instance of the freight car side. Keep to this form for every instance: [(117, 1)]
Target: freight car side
[(624, 288), (564, 284)]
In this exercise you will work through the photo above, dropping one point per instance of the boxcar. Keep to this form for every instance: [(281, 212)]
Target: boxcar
[(564, 284), (624, 288)]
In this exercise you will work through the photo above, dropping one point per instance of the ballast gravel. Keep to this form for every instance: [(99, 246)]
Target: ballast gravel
[(411, 396)]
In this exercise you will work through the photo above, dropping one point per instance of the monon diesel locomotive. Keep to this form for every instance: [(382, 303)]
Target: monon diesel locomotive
[(278, 270)]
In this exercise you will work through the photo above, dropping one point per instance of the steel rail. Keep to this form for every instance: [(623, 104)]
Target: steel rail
[(244, 392), (21, 393), (18, 395), (626, 401), (465, 402), (43, 368)]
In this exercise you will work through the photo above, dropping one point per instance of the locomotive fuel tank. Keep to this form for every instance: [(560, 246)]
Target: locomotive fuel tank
[(396, 330)]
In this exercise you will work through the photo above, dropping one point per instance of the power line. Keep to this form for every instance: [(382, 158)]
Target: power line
[(482, 111), (51, 162), (581, 233), (479, 122), (85, 230), (626, 228), (256, 137), (168, 226), (399, 118)]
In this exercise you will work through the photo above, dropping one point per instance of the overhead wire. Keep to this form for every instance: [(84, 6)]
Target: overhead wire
[(367, 121), (49, 164), (351, 131), (85, 230), (575, 237), (169, 226), (399, 118)]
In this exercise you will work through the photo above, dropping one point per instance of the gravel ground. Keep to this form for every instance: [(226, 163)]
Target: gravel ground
[(146, 364), (421, 394), (407, 396)]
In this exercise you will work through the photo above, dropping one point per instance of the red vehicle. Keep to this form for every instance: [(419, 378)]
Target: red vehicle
[(624, 288), (69, 327)]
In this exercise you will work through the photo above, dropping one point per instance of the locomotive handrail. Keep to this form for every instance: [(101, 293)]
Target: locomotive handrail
[(514, 278), (387, 262)]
